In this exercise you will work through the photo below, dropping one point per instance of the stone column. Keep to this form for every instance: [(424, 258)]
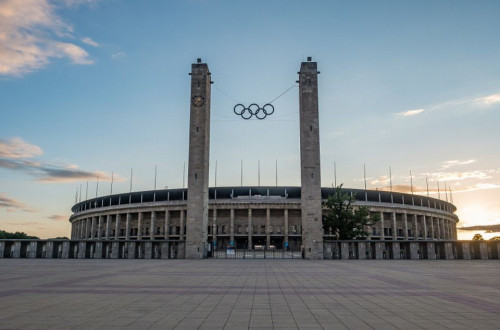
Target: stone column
[(199, 154), (139, 226), (152, 230), (182, 233), (214, 227), (311, 215), (82, 229), (167, 225), (382, 234), (433, 233), (405, 219), (415, 227), (425, 226), (127, 226), (99, 228), (87, 228), (394, 227), (231, 227), (285, 215), (92, 229), (268, 225), (118, 226), (108, 225), (250, 230), (438, 230)]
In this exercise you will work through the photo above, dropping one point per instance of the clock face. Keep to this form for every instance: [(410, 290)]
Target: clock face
[(198, 100)]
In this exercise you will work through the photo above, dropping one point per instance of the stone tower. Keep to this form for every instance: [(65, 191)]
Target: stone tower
[(199, 145), (312, 230)]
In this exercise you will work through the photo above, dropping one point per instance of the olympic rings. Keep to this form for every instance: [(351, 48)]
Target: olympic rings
[(253, 110)]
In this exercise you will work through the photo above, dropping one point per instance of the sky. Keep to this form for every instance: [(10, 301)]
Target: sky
[(90, 89)]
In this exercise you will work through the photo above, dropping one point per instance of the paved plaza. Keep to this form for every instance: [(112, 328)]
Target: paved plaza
[(241, 294)]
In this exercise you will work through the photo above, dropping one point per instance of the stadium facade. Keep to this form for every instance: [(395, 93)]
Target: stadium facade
[(208, 219), (253, 222)]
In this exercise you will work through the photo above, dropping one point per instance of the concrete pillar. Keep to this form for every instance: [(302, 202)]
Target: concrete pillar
[(433, 230), (33, 250), (99, 228), (268, 225), (405, 225), (92, 229), (425, 226), (466, 255), (414, 247), (312, 229), (82, 248), (98, 250), (231, 227), (361, 250), (65, 250), (396, 251), (344, 251), (483, 250), (2, 249), (148, 250), (139, 226), (127, 226), (118, 226), (379, 250), (199, 152), (108, 226), (82, 229), (448, 251), (382, 234), (182, 233), (131, 250), (250, 231), (431, 251), (49, 250), (394, 226), (167, 227), (415, 227), (438, 228), (214, 227), (152, 230), (285, 215), (115, 249), (164, 250)]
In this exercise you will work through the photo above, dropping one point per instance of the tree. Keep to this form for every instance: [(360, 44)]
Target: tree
[(495, 238), (16, 235), (345, 220), (478, 237)]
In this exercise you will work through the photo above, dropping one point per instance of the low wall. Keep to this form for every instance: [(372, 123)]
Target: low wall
[(345, 250)]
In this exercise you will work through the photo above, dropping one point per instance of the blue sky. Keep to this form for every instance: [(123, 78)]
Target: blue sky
[(89, 88)]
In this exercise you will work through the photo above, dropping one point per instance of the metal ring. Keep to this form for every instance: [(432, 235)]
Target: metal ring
[(253, 110), (240, 106)]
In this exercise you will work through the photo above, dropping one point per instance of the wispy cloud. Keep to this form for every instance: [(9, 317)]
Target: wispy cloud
[(31, 34), (16, 154), (488, 100), (57, 217), (118, 55), (90, 42), (460, 176), (451, 163), (493, 228), (16, 148), (409, 113), (11, 204)]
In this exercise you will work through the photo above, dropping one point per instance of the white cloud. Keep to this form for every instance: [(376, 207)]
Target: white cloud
[(16, 148), (410, 112), (31, 35), (118, 55), (488, 100), (451, 163), (90, 42)]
